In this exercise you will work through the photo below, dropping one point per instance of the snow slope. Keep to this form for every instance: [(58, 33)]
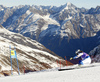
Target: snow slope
[(78, 75)]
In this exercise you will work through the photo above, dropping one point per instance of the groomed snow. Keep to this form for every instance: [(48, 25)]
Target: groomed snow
[(77, 75)]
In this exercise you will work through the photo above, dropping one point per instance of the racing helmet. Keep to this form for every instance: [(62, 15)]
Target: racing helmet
[(78, 51)]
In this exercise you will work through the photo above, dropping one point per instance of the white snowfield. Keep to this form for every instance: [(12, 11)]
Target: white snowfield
[(91, 74)]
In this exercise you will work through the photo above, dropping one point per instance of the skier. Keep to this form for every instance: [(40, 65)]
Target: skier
[(84, 56)]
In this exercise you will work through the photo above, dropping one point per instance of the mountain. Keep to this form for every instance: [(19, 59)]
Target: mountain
[(95, 54), (62, 29), (94, 10), (30, 53)]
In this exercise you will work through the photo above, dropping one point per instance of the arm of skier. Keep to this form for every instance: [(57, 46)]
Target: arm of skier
[(79, 55)]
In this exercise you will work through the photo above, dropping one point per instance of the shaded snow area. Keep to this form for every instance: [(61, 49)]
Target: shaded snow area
[(91, 74)]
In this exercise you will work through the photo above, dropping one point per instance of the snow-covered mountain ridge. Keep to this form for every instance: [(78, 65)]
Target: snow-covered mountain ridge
[(31, 54), (58, 28), (34, 20)]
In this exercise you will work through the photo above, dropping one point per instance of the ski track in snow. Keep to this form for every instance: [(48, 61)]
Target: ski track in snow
[(77, 75)]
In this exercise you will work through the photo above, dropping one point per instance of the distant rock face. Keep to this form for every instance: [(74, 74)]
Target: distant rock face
[(95, 54), (61, 29), (94, 10)]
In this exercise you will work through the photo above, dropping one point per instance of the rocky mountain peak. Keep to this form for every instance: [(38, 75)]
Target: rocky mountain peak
[(67, 6), (94, 10)]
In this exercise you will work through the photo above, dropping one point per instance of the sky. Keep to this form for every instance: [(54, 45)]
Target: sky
[(79, 3)]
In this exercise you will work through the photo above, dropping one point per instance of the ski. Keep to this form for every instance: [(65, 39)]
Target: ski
[(77, 67)]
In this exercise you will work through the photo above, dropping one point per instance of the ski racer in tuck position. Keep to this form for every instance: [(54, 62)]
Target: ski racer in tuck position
[(84, 56)]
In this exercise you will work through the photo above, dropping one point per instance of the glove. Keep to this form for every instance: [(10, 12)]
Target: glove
[(71, 58)]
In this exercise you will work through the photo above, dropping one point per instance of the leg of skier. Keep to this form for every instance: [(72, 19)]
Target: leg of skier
[(85, 61)]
